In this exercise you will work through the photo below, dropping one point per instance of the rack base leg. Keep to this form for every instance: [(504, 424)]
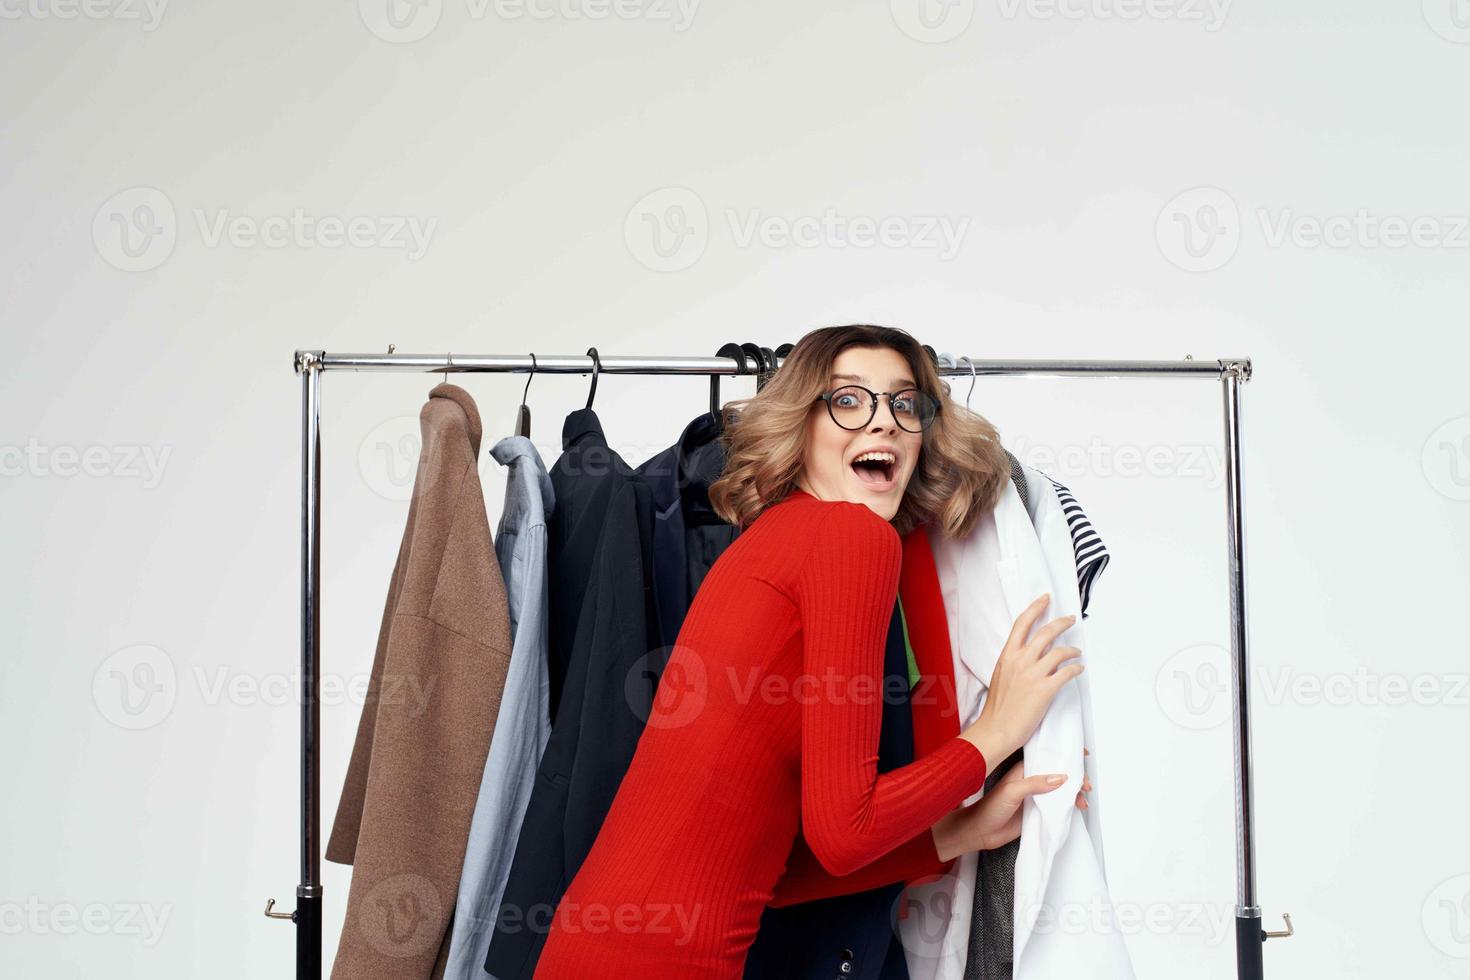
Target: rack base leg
[(309, 936), (1248, 940)]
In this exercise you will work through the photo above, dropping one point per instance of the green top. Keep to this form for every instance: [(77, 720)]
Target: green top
[(908, 648)]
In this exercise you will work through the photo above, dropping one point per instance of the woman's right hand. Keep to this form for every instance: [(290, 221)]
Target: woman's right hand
[(1026, 678)]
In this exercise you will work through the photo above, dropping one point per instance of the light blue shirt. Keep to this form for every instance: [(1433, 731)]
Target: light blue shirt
[(522, 727)]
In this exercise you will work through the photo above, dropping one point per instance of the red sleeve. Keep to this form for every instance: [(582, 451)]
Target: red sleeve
[(806, 880), (850, 814)]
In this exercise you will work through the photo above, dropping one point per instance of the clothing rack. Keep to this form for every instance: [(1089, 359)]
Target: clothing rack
[(1232, 373)]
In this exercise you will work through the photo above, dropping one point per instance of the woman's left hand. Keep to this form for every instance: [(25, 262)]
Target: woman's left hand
[(995, 818)]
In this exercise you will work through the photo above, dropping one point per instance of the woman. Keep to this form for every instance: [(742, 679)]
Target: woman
[(767, 717)]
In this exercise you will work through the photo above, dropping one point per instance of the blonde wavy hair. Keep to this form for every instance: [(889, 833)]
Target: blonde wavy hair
[(962, 467)]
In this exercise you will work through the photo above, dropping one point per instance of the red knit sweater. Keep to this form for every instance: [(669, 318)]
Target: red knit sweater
[(765, 725)]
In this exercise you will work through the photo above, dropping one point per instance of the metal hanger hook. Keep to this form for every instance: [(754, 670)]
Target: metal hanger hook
[(528, 379), (966, 359), (596, 370)]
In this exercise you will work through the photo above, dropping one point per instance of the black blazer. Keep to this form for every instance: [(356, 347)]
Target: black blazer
[(603, 538)]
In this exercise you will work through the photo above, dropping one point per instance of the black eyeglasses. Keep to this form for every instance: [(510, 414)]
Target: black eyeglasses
[(853, 407)]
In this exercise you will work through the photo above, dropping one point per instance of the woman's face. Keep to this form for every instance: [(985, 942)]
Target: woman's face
[(828, 470)]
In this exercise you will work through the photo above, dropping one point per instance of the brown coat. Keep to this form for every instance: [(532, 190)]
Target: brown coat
[(430, 708)]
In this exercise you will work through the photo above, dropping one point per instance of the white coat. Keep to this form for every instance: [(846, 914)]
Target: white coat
[(1064, 923)]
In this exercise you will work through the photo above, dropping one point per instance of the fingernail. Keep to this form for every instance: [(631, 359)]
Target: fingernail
[(1055, 780)]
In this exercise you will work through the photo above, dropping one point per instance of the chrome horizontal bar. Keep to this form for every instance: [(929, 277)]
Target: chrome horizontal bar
[(620, 364)]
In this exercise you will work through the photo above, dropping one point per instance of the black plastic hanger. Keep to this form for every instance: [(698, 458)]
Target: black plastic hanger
[(769, 356), (731, 351), (523, 414), (754, 352)]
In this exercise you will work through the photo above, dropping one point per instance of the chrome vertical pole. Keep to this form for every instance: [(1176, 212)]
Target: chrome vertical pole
[(308, 915), (1248, 932)]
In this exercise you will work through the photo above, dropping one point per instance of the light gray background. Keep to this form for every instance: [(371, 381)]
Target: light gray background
[(1124, 181)]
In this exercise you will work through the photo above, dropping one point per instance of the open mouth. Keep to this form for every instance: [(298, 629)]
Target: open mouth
[(876, 470)]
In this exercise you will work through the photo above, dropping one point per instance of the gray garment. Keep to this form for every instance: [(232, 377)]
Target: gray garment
[(523, 725)]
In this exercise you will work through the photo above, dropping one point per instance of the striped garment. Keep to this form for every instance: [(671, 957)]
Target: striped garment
[(1087, 547)]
